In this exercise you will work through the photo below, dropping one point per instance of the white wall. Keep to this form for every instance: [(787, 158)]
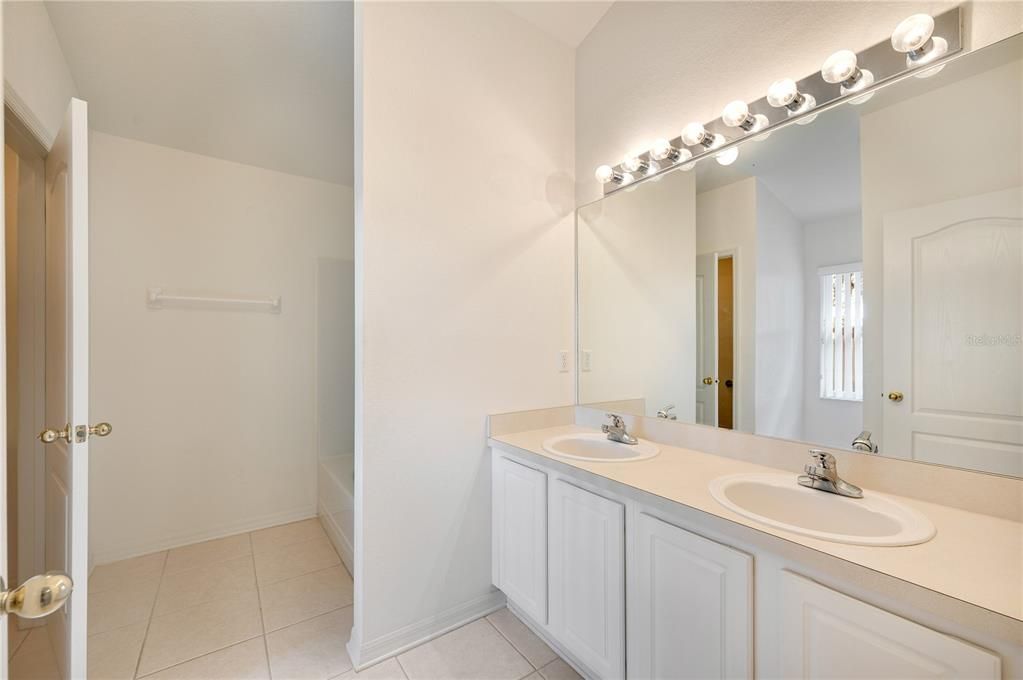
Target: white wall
[(903, 167), (214, 411), (637, 296), (726, 221), (687, 72), (37, 82), (464, 285), (839, 240), (779, 319)]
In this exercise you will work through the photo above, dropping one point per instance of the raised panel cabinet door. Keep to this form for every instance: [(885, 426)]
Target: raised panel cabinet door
[(825, 634), (520, 536), (690, 606), (587, 584)]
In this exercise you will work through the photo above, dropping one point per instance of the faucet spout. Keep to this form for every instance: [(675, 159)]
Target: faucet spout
[(822, 474), (616, 431)]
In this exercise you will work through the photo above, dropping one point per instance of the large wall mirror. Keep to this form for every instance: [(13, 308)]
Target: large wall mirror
[(855, 283)]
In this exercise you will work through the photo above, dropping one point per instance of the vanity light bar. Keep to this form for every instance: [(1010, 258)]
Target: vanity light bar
[(919, 46)]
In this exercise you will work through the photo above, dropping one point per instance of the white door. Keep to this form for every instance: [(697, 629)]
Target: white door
[(587, 578), (690, 606), (520, 536), (707, 339), (953, 323), (67, 381), (825, 634)]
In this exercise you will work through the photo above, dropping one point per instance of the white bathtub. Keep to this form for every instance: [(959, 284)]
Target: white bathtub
[(336, 500)]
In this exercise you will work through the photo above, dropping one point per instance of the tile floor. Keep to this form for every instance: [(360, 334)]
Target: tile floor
[(274, 603)]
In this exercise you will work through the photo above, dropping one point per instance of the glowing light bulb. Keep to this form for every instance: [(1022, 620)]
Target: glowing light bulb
[(694, 134), (737, 114), (782, 93), (728, 156), (662, 149), (912, 33), (633, 163), (915, 37), (604, 174), (840, 68)]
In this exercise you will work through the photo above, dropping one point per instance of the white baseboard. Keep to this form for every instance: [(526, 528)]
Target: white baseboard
[(424, 630), (341, 542), (144, 548)]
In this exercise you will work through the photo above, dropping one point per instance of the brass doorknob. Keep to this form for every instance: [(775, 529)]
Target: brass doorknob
[(895, 396), (49, 436), (708, 381), (101, 429), (38, 596)]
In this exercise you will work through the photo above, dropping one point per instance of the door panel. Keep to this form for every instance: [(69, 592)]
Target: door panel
[(520, 533), (587, 582), (826, 634), (953, 321), (690, 606), (706, 338), (67, 364)]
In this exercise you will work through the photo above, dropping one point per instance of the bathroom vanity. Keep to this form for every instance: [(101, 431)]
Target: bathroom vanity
[(633, 569)]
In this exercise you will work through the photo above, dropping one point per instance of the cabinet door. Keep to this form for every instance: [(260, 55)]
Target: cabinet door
[(825, 634), (587, 550), (520, 536), (690, 606)]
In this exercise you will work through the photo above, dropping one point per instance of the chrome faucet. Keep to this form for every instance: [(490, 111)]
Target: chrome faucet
[(666, 413), (864, 443), (616, 430), (822, 474)]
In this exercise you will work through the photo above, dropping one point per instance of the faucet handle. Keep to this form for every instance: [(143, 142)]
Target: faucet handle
[(616, 420), (823, 458)]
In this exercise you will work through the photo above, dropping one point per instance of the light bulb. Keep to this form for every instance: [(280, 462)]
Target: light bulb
[(736, 114), (782, 92), (604, 174), (728, 156), (915, 37), (633, 163), (652, 168), (694, 134), (912, 33), (662, 149), (839, 67)]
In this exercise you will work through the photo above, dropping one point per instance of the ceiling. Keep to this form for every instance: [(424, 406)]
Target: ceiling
[(268, 84), (568, 22), (813, 169)]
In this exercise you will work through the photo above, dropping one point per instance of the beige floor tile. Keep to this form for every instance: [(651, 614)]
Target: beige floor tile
[(473, 652), (184, 589), (303, 597), (208, 552), (190, 633), (385, 670), (118, 574), (287, 534), (244, 661), (559, 670), (313, 649), (295, 560), (522, 638), (115, 654), (34, 660), (121, 607)]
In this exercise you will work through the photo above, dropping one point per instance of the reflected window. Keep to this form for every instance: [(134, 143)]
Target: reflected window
[(841, 289)]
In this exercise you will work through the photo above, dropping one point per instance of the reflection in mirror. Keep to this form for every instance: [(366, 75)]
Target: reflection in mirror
[(856, 283)]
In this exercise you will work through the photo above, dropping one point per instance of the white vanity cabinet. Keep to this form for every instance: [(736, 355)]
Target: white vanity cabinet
[(825, 634), (624, 587), (520, 535), (690, 605), (587, 577)]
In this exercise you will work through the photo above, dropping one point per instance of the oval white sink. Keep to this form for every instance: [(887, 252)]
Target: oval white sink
[(597, 447), (778, 500)]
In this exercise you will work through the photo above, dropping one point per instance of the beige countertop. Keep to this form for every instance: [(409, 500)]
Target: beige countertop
[(974, 558)]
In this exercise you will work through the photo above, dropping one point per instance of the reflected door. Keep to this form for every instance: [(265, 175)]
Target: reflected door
[(706, 339), (953, 333)]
